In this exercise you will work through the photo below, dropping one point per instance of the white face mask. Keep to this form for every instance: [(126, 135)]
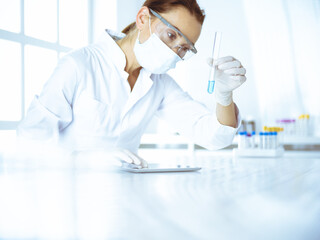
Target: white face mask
[(154, 55)]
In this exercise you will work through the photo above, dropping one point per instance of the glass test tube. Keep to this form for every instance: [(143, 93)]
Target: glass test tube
[(215, 55), (268, 140), (248, 140), (276, 143), (253, 140), (242, 140), (261, 140)]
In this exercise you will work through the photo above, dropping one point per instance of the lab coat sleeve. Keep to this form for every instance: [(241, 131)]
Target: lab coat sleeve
[(192, 119), (51, 111)]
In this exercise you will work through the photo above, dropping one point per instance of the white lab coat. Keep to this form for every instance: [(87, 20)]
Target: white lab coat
[(87, 102)]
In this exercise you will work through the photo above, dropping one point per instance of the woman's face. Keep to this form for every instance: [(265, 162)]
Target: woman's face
[(180, 18)]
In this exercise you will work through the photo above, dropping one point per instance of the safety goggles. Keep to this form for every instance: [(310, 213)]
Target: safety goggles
[(172, 37)]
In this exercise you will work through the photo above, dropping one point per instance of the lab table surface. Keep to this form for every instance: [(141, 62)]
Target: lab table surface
[(230, 198)]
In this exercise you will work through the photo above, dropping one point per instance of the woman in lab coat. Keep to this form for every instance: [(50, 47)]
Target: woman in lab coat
[(103, 96)]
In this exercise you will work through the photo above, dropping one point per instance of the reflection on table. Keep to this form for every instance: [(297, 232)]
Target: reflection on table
[(247, 198)]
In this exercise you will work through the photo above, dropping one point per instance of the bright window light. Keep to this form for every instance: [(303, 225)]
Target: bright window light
[(73, 23), (41, 19), (10, 15), (7, 138), (39, 63), (10, 81), (29, 51)]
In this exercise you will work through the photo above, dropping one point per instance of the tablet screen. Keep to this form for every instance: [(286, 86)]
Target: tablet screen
[(162, 168)]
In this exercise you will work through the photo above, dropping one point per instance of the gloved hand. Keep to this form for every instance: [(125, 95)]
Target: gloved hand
[(129, 159), (229, 75)]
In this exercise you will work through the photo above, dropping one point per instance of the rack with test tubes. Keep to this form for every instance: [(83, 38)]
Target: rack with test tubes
[(268, 143), (300, 126)]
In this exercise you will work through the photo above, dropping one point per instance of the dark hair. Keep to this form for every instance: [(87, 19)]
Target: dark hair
[(162, 6)]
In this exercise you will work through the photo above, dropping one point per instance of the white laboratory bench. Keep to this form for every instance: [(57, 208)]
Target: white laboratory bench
[(243, 198), (174, 140)]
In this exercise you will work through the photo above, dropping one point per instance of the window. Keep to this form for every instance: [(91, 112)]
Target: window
[(33, 34)]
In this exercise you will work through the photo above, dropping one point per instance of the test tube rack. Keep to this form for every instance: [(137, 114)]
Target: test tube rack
[(256, 152)]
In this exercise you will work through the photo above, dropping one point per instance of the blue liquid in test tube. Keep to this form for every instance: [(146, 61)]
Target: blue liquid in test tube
[(215, 55), (211, 86)]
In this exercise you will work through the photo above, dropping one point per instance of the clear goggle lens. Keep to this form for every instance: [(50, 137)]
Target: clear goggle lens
[(174, 40)]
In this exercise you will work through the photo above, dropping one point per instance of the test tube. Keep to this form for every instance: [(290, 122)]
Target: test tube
[(272, 140), (276, 143), (261, 140), (248, 140), (268, 141), (242, 140), (253, 140), (215, 55)]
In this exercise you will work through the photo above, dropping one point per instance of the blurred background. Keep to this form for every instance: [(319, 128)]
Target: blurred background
[(277, 41)]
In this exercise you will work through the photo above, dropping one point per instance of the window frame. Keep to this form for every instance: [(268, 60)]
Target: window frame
[(23, 40)]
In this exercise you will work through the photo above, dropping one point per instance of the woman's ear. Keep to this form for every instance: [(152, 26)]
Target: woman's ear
[(142, 18)]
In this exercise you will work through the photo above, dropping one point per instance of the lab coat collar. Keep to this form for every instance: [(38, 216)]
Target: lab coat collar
[(118, 56), (144, 81), (140, 89)]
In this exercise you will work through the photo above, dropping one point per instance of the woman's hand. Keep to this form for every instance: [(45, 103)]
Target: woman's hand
[(229, 75), (129, 159), (108, 158)]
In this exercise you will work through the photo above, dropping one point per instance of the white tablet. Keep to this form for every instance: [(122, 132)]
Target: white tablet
[(158, 168)]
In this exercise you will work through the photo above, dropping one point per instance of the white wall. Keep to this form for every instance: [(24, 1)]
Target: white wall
[(227, 17), (127, 11), (105, 16)]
